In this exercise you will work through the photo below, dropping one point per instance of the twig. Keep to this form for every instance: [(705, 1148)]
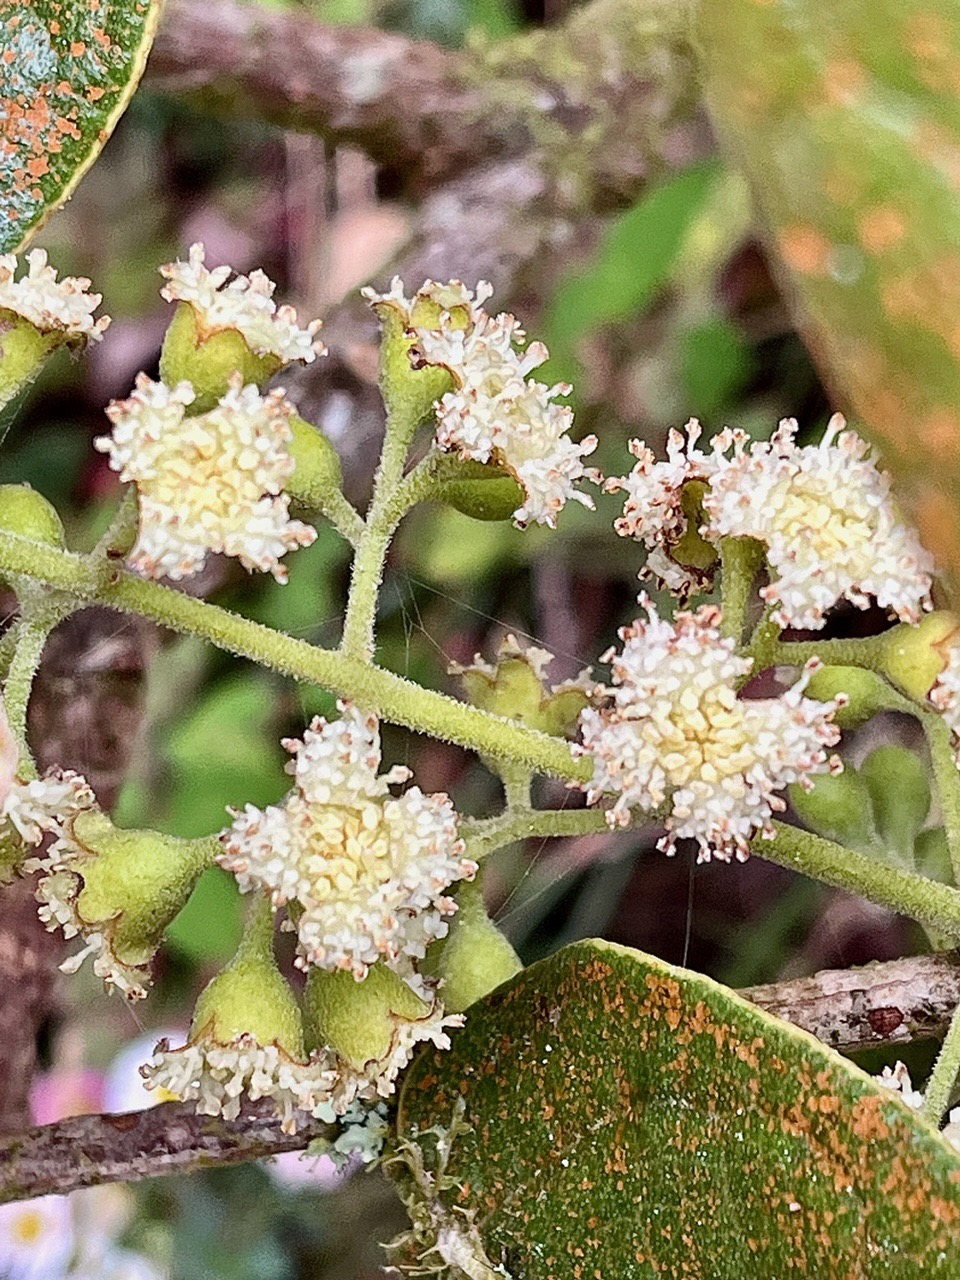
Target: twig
[(603, 91), (881, 1004), (85, 1151)]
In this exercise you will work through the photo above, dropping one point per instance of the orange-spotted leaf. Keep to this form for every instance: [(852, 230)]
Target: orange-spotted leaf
[(845, 118), (67, 71), (614, 1118)]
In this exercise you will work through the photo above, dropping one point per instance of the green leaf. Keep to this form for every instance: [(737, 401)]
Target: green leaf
[(845, 118), (66, 75), (624, 1120), (632, 261)]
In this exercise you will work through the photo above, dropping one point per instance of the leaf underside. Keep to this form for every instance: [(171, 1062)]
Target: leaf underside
[(845, 117), (67, 71), (628, 1120)]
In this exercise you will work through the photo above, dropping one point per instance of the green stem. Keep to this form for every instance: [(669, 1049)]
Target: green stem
[(121, 533), (485, 835), (740, 559), (396, 699), (946, 777), (868, 653), (258, 929), (31, 637), (344, 517), (393, 496), (905, 892), (943, 1078)]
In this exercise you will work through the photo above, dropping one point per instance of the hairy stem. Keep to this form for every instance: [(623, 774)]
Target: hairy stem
[(946, 777), (926, 901), (344, 517), (943, 1078), (30, 635), (740, 560), (396, 699)]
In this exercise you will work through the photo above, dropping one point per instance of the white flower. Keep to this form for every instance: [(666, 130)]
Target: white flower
[(369, 870), (124, 1088), (897, 1079), (57, 894), (43, 805), (827, 518), (36, 1238), (50, 304), (951, 1130), (246, 304), (495, 412), (378, 1077), (672, 731), (653, 512), (218, 1076), (209, 483)]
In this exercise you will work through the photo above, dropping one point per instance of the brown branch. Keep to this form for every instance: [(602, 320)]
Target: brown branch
[(880, 1004), (602, 93), (891, 1003), (85, 1151)]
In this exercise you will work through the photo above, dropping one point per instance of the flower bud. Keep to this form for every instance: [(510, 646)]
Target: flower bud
[(25, 512), (867, 694), (514, 685), (474, 958), (371, 1026), (409, 392), (914, 656), (837, 806), (246, 1038), (899, 788), (208, 359), (221, 329), (482, 491), (39, 313), (120, 890), (317, 471)]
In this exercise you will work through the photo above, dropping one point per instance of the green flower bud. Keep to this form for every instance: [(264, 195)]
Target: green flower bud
[(474, 958), (409, 393), (359, 1020), (837, 807), (913, 657), (250, 997), (13, 851), (480, 490), (120, 890), (899, 788), (868, 693), (208, 359), (514, 686), (25, 512), (246, 1039), (317, 471)]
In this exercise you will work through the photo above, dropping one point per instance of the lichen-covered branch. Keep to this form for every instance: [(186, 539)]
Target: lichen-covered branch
[(605, 91), (881, 1004), (85, 1151)]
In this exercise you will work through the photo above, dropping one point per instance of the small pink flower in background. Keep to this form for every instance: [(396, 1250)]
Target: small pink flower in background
[(55, 1095)]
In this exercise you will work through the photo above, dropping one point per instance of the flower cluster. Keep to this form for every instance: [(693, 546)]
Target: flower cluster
[(672, 731), (824, 514), (496, 412), (208, 483), (369, 870), (218, 1076), (51, 305), (245, 304)]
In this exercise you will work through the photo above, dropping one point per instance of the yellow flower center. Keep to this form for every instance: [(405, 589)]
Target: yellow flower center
[(28, 1227)]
